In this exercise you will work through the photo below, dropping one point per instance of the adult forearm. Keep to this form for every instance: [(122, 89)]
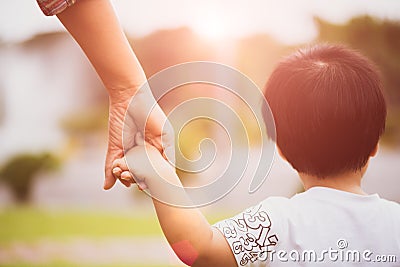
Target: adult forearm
[(95, 27)]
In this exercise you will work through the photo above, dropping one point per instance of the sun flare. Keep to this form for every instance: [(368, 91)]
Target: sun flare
[(211, 27)]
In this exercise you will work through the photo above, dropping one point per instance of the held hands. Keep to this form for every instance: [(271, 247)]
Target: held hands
[(142, 114), (145, 162)]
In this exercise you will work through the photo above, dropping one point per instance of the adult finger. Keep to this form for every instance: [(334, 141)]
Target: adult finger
[(126, 183), (110, 179), (116, 129), (120, 163)]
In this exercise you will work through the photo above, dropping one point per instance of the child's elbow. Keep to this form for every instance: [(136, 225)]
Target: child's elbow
[(186, 252), (189, 255)]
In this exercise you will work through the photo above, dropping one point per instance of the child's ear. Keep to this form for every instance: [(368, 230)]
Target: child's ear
[(373, 153)]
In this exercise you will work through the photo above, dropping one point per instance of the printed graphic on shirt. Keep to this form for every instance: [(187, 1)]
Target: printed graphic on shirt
[(249, 235)]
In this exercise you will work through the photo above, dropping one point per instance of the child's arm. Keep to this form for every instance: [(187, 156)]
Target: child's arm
[(191, 237), (95, 27)]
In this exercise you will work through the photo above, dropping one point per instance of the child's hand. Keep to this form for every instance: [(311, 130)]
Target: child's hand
[(141, 162)]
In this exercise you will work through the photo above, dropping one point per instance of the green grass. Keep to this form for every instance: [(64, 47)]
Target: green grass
[(27, 224), (30, 224)]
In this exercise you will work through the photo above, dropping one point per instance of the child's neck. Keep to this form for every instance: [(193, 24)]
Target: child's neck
[(348, 182)]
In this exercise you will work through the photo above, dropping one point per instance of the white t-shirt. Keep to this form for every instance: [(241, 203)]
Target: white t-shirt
[(320, 227)]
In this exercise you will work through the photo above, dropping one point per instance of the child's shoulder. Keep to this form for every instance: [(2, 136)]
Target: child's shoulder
[(321, 201), (390, 207)]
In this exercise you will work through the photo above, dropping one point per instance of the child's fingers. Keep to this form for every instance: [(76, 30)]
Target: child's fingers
[(127, 176), (117, 172)]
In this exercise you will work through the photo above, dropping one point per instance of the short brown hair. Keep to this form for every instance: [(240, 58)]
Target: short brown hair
[(328, 107)]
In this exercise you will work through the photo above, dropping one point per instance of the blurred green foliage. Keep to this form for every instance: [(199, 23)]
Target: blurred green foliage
[(19, 172), (380, 41)]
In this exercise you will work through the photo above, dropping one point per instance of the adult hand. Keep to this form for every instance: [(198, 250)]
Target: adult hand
[(142, 115), (95, 27)]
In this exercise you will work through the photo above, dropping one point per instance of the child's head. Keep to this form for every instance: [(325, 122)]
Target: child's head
[(328, 108)]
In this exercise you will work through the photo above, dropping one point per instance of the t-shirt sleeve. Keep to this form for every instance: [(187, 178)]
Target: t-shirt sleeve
[(53, 7), (252, 234)]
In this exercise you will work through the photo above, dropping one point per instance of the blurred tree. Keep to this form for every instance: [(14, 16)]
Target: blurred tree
[(19, 172), (85, 128), (380, 41)]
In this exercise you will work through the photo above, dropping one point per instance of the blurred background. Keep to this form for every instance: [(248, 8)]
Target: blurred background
[(53, 117)]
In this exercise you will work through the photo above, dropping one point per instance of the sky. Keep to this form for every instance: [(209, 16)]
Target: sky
[(289, 21)]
